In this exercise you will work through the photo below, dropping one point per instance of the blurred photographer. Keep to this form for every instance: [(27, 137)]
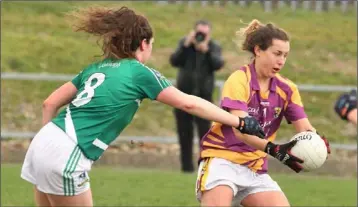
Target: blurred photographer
[(197, 57)]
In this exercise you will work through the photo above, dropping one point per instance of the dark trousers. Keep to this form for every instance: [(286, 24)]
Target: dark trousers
[(185, 129)]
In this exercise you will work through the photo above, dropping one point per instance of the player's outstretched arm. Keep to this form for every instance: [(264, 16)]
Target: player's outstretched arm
[(60, 97), (206, 110)]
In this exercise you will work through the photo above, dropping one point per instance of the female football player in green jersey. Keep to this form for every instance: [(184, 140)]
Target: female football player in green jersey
[(101, 101)]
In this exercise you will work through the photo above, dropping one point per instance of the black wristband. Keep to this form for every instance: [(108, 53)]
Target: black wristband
[(241, 124), (269, 147)]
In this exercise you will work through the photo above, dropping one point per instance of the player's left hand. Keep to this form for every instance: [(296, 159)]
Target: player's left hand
[(325, 141)]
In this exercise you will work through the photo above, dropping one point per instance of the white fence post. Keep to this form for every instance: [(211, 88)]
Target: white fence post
[(268, 6), (331, 4), (190, 3), (319, 6), (242, 3), (344, 5), (281, 4), (162, 2), (306, 5), (294, 5)]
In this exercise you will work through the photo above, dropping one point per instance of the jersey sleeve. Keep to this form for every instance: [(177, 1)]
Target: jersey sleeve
[(77, 80), (149, 81), (294, 110), (235, 93)]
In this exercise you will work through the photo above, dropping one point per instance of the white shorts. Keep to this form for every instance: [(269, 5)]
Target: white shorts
[(55, 164), (243, 181)]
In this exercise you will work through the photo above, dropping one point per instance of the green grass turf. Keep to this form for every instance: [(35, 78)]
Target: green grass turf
[(114, 186)]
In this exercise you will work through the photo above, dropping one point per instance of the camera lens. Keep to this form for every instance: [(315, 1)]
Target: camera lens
[(199, 36)]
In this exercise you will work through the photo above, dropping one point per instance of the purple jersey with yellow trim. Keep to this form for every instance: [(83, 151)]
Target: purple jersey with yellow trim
[(241, 91)]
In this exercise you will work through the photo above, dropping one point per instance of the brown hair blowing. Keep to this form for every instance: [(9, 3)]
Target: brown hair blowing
[(121, 31), (261, 35)]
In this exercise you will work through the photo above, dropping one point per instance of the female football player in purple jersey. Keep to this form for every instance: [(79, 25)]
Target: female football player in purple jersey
[(235, 165)]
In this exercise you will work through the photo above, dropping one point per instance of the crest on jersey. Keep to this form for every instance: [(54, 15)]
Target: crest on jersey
[(277, 112)]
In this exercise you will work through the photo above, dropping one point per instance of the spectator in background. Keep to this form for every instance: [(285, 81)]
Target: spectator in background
[(346, 106), (197, 57)]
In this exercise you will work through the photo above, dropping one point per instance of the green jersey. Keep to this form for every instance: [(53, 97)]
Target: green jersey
[(109, 94)]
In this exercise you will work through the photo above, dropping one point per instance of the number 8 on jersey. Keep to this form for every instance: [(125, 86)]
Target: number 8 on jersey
[(81, 99)]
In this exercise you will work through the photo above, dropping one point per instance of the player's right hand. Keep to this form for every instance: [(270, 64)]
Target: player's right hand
[(283, 154), (346, 103), (249, 125)]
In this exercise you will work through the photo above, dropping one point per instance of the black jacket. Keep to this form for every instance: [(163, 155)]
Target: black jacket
[(196, 69)]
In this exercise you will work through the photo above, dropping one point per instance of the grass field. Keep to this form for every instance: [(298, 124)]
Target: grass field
[(142, 187), (37, 38)]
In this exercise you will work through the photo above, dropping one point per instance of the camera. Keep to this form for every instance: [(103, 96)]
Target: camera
[(199, 36)]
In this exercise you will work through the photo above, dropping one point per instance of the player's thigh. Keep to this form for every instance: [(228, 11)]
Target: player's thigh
[(266, 198), (41, 198), (83, 199), (220, 195), (263, 191), (215, 182)]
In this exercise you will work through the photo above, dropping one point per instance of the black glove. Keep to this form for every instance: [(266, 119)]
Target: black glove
[(249, 125), (346, 103), (283, 154)]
